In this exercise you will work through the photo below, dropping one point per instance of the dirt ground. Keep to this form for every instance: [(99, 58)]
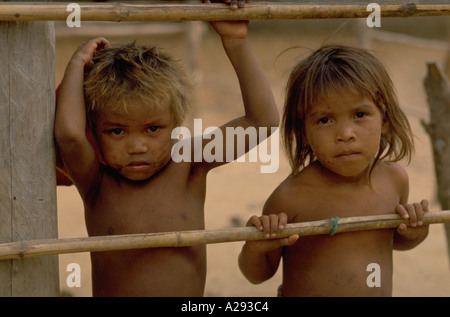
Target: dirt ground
[(238, 190)]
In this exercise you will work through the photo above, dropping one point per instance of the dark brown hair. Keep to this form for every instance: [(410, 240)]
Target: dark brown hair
[(334, 68)]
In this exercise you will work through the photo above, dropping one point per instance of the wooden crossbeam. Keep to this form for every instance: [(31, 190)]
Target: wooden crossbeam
[(32, 248), (119, 12)]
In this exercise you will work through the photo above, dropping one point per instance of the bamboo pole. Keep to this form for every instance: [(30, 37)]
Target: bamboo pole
[(117, 12), (32, 248)]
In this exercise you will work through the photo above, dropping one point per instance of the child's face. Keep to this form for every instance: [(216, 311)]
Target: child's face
[(136, 145), (344, 132)]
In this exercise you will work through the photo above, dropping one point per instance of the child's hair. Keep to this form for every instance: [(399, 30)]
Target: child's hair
[(122, 74), (337, 68)]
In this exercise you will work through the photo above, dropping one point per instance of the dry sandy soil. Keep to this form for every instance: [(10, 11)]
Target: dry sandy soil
[(238, 190)]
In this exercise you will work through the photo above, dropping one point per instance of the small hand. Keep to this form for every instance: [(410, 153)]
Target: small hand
[(85, 52), (413, 212), (270, 224)]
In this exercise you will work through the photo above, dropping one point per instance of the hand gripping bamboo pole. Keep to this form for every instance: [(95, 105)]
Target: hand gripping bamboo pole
[(24, 249), (38, 11)]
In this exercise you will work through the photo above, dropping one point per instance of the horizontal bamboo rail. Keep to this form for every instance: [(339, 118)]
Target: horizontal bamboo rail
[(117, 12), (31, 248)]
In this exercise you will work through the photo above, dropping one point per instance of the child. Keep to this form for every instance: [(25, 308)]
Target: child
[(133, 98), (341, 121)]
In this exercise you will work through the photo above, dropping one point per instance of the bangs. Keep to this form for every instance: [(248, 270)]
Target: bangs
[(334, 73), (338, 69), (122, 75), (118, 100)]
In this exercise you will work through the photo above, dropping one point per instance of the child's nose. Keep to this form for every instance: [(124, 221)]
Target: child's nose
[(345, 133), (137, 145)]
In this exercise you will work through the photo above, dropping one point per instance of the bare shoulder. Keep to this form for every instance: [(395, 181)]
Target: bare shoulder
[(396, 175), (291, 195), (280, 197), (394, 172)]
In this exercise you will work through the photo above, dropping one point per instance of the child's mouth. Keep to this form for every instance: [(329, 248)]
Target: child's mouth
[(348, 154), (137, 165)]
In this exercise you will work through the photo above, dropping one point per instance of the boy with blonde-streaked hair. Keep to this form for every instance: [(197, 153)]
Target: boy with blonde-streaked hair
[(146, 71), (125, 175)]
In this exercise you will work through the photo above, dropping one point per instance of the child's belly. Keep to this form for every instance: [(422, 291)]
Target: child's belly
[(346, 264), (149, 272)]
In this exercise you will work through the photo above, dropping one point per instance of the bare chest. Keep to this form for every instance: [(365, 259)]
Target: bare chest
[(160, 205), (342, 202)]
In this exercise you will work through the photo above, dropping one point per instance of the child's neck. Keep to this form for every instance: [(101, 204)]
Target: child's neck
[(332, 178), (120, 179)]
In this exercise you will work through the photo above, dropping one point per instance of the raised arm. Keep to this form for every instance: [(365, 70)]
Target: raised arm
[(259, 104), (70, 122)]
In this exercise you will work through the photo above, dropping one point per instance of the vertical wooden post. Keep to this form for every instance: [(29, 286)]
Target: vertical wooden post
[(438, 92), (447, 62), (27, 157)]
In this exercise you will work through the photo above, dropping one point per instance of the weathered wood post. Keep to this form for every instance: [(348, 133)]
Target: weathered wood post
[(438, 128), (27, 158)]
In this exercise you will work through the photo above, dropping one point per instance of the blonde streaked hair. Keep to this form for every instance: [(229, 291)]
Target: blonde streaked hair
[(122, 74), (339, 68)]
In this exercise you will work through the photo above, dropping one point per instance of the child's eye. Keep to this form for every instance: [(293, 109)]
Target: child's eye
[(116, 131), (324, 120), (153, 129), (360, 115)]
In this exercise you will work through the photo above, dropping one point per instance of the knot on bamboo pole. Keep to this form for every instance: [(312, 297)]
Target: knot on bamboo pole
[(121, 12), (20, 249), (409, 9)]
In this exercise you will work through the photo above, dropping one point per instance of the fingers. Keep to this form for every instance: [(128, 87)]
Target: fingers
[(424, 204), (102, 43), (290, 240), (269, 224), (256, 222), (402, 229), (235, 4), (414, 212), (85, 52), (98, 43)]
